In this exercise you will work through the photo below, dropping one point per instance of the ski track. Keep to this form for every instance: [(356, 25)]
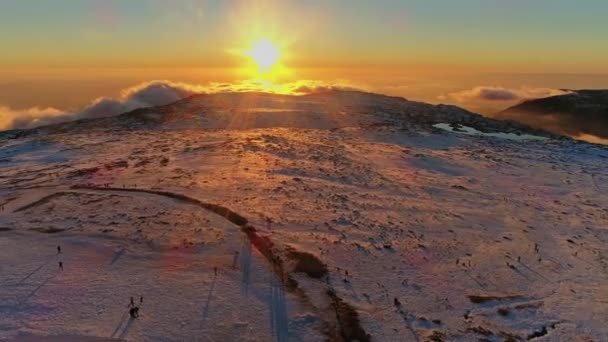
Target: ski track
[(278, 310), (245, 266)]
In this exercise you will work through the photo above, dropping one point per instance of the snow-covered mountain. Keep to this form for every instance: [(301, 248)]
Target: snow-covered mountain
[(336, 216), (326, 110)]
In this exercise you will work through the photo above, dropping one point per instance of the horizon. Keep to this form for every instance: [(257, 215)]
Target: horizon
[(62, 56)]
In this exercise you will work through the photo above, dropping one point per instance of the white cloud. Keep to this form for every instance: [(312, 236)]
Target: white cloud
[(500, 94), (10, 118)]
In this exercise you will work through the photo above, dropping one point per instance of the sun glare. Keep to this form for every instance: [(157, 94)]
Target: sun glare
[(265, 54)]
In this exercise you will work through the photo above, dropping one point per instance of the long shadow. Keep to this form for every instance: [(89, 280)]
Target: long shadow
[(245, 266), (122, 319), (520, 273), (33, 293), (206, 309), (535, 272), (117, 256), (125, 331), (33, 272)]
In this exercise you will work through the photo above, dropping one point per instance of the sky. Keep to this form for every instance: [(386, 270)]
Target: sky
[(65, 53)]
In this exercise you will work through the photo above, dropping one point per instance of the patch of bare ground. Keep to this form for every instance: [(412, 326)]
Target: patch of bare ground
[(481, 299), (505, 336), (348, 320), (436, 336), (48, 230), (308, 263), (83, 172)]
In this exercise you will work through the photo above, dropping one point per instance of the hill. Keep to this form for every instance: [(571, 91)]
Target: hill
[(582, 112), (339, 216)]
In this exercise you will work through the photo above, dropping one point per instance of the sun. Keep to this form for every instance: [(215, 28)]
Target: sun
[(265, 54)]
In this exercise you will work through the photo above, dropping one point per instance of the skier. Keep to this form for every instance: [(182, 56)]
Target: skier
[(136, 311), (141, 299), (131, 303), (132, 312), (215, 270), (61, 265), (58, 249)]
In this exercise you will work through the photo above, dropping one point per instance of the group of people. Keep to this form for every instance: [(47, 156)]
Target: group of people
[(60, 262), (133, 309)]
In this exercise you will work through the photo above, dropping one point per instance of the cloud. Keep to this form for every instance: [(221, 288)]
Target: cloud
[(156, 93), (150, 94), (10, 118), (500, 94)]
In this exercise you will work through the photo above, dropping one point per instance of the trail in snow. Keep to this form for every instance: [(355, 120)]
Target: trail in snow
[(33, 293), (278, 310), (117, 255), (245, 265), (209, 297), (34, 272)]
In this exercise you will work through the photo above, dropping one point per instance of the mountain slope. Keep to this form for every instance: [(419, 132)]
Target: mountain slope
[(582, 112), (362, 222)]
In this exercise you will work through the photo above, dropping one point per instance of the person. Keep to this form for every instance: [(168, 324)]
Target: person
[(215, 270), (136, 311), (132, 312), (61, 265), (58, 249), (141, 299), (131, 303)]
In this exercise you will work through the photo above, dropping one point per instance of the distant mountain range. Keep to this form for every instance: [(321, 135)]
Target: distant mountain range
[(579, 113)]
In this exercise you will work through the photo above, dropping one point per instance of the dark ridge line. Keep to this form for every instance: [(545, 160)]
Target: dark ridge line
[(218, 209)]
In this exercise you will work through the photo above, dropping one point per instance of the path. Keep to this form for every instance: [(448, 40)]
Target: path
[(278, 310)]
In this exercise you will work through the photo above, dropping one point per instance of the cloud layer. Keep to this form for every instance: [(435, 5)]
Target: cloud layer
[(500, 94), (150, 94)]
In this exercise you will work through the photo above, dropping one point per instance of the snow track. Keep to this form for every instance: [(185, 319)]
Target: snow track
[(278, 310)]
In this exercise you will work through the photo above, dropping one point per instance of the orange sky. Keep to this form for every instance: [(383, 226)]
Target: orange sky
[(63, 53)]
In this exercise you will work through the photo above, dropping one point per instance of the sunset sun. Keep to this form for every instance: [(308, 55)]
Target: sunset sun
[(264, 54)]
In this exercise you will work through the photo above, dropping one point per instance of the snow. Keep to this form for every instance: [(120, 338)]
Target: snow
[(472, 131), (424, 217)]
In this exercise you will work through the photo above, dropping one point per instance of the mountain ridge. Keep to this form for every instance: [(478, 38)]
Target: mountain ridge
[(574, 114), (321, 110)]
